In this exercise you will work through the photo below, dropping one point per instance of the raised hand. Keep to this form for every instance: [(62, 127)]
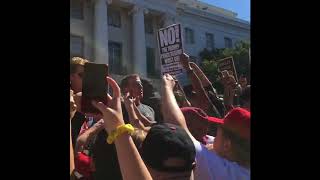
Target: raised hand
[(128, 101), (112, 114), (168, 81)]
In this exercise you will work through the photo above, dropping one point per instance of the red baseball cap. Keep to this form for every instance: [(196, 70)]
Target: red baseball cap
[(237, 120)]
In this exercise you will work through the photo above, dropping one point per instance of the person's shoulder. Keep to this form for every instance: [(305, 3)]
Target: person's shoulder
[(146, 106), (217, 164)]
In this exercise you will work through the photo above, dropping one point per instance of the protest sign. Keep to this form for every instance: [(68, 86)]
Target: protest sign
[(170, 48), (227, 64)]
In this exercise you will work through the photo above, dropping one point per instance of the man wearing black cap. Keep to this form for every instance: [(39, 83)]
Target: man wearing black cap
[(168, 152)]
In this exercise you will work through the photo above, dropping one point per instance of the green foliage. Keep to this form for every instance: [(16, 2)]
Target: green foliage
[(240, 54)]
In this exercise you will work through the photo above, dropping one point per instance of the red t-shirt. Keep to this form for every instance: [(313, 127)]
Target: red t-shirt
[(84, 165)]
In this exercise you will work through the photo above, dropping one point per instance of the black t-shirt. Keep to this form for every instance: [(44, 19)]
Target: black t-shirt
[(105, 159), (76, 124)]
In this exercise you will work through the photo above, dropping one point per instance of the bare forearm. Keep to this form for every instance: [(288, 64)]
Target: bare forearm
[(84, 138), (200, 91), (133, 118), (131, 164), (171, 111), (204, 80), (195, 81), (145, 120), (72, 166), (131, 113)]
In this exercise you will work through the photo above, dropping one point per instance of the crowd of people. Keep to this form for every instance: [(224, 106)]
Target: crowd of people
[(183, 133)]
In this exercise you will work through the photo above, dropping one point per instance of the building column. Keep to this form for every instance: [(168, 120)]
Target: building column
[(100, 32), (139, 41)]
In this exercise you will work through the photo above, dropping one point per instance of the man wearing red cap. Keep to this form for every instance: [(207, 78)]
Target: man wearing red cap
[(231, 156)]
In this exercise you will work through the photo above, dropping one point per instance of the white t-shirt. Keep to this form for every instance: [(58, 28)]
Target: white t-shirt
[(209, 139), (210, 166)]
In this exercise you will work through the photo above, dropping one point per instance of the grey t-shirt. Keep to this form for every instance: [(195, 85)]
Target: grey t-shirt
[(147, 111)]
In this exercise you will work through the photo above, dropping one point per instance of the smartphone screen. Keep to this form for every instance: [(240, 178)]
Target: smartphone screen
[(94, 86)]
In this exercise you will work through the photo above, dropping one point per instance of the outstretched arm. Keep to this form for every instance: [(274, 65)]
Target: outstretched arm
[(203, 100), (203, 78), (196, 84), (171, 111), (133, 118)]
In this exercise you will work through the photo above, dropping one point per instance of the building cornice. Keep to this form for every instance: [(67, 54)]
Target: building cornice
[(220, 18)]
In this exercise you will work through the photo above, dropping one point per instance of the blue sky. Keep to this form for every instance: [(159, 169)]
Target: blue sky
[(241, 7)]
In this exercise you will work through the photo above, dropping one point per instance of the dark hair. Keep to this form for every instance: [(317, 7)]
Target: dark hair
[(240, 147), (165, 141), (148, 89), (125, 81)]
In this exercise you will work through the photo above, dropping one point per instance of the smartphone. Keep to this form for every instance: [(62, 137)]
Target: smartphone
[(94, 86)]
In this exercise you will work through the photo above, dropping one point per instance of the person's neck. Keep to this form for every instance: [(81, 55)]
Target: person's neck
[(137, 102)]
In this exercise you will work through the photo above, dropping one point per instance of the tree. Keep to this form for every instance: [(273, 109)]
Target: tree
[(240, 54)]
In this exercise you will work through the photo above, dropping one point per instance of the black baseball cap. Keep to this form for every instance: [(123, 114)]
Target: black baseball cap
[(165, 141)]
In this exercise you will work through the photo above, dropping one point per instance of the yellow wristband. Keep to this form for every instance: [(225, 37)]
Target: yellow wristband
[(120, 130)]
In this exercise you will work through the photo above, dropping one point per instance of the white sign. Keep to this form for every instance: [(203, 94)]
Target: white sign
[(170, 48)]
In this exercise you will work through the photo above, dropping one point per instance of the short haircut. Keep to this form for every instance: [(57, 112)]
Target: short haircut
[(125, 81), (76, 62)]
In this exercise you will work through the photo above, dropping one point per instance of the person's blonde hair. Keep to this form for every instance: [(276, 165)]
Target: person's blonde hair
[(138, 136), (75, 62)]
